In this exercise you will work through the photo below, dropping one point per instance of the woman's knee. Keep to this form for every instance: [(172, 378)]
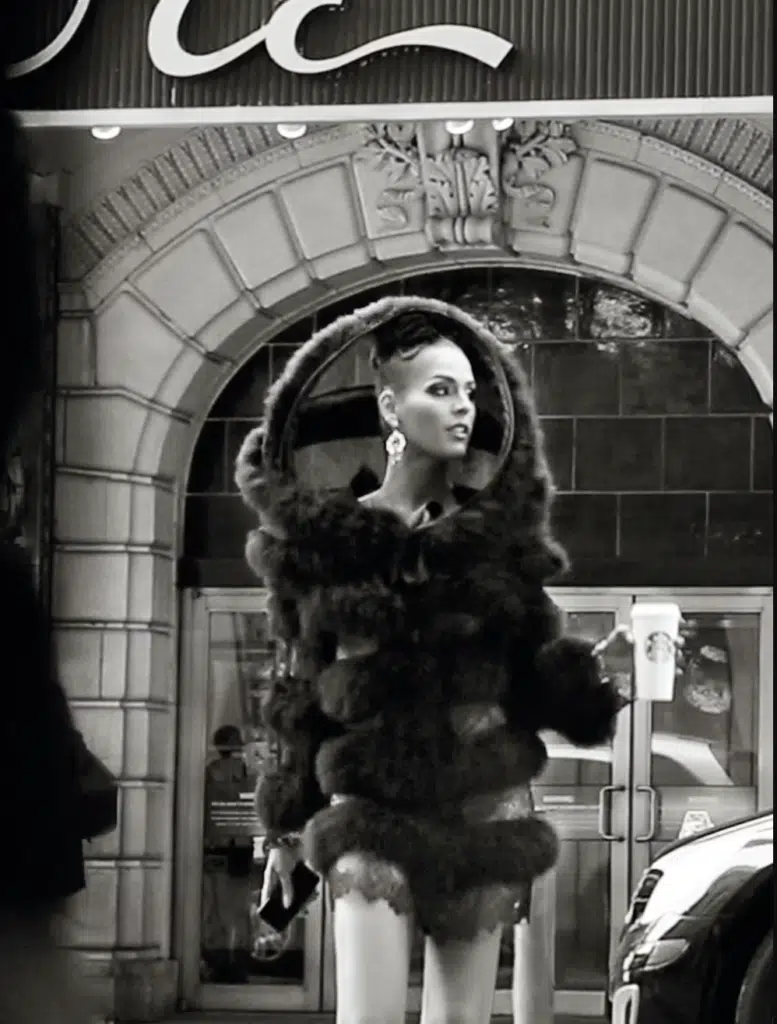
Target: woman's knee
[(373, 938), (371, 880)]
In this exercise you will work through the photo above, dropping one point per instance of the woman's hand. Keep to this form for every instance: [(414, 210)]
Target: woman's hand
[(619, 647), (619, 641), (281, 861)]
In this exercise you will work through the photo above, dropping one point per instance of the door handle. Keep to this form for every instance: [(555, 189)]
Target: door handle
[(605, 812), (653, 819)]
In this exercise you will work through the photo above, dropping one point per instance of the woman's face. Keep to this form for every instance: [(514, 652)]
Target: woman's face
[(434, 400)]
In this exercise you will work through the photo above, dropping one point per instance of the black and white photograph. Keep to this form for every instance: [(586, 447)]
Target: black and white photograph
[(386, 512)]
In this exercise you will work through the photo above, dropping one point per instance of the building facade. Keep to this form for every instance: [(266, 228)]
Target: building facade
[(630, 261)]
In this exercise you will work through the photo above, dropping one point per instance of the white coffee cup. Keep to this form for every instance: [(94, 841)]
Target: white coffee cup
[(656, 629)]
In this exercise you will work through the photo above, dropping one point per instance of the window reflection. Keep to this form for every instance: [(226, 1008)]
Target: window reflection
[(568, 792), (704, 744), (237, 948), (715, 711)]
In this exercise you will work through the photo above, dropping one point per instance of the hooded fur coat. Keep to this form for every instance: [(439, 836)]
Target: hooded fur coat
[(461, 616)]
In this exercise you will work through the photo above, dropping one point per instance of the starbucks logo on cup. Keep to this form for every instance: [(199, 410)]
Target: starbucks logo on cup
[(659, 648)]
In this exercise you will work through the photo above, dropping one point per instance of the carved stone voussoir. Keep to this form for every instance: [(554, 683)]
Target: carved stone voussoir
[(532, 151), (482, 189)]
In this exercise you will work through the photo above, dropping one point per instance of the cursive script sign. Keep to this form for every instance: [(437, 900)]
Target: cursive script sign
[(279, 35)]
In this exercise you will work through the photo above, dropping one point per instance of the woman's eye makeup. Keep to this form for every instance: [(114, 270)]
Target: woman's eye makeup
[(441, 389)]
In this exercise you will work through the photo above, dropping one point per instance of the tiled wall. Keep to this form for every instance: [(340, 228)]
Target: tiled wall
[(660, 445)]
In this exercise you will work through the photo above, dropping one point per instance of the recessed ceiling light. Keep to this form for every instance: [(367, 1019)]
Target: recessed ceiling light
[(106, 133), (502, 124), (459, 127), (292, 131)]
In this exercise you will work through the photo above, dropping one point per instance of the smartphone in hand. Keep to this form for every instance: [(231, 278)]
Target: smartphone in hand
[(272, 911)]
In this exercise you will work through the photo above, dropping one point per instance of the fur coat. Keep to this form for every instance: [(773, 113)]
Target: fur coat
[(461, 617)]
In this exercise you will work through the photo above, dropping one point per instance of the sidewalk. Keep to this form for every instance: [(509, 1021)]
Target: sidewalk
[(325, 1018)]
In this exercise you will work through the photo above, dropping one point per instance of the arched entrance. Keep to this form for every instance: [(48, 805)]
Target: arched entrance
[(158, 327)]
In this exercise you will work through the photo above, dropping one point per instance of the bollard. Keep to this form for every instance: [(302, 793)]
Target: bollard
[(145, 991)]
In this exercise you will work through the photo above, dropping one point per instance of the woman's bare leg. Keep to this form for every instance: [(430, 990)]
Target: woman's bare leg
[(372, 944), (460, 980), (533, 959)]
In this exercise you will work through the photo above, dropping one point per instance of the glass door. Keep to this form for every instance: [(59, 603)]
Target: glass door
[(707, 757), (585, 794), (704, 759), (229, 959)]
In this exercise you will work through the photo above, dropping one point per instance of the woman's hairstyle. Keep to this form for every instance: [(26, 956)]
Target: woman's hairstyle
[(404, 337)]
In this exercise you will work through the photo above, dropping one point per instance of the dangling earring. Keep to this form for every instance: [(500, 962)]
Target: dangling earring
[(396, 443)]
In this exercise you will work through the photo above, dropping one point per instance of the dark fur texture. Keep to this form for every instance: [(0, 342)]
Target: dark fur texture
[(438, 857), (583, 709), (287, 798), (460, 614), (421, 768)]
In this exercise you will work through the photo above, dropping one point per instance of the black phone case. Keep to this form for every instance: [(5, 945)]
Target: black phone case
[(273, 912)]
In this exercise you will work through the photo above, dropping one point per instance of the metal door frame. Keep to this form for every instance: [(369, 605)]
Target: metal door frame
[(197, 607), (572, 1001)]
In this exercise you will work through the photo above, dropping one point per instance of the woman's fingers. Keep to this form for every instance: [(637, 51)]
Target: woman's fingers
[(267, 885), (287, 889), (620, 632)]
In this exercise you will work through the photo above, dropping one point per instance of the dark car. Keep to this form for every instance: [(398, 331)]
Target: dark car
[(698, 943)]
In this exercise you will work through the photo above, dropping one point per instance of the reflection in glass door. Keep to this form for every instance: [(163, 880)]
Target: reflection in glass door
[(230, 959), (585, 795), (706, 758)]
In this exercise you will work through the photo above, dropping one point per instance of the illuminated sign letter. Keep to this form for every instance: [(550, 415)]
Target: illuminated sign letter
[(280, 37), (285, 25), (169, 57), (48, 53)]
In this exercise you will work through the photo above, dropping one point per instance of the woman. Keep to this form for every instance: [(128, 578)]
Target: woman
[(427, 657)]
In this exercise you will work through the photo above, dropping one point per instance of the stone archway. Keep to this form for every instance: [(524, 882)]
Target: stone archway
[(173, 306)]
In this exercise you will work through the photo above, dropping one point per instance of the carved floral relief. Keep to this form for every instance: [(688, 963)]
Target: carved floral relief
[(470, 187), (533, 150), (392, 153)]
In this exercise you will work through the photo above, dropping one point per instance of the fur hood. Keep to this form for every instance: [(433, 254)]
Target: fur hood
[(506, 519)]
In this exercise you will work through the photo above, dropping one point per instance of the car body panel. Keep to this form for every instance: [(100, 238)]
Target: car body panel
[(671, 954)]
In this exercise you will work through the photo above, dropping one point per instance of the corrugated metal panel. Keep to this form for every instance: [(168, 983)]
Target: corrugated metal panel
[(565, 49)]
